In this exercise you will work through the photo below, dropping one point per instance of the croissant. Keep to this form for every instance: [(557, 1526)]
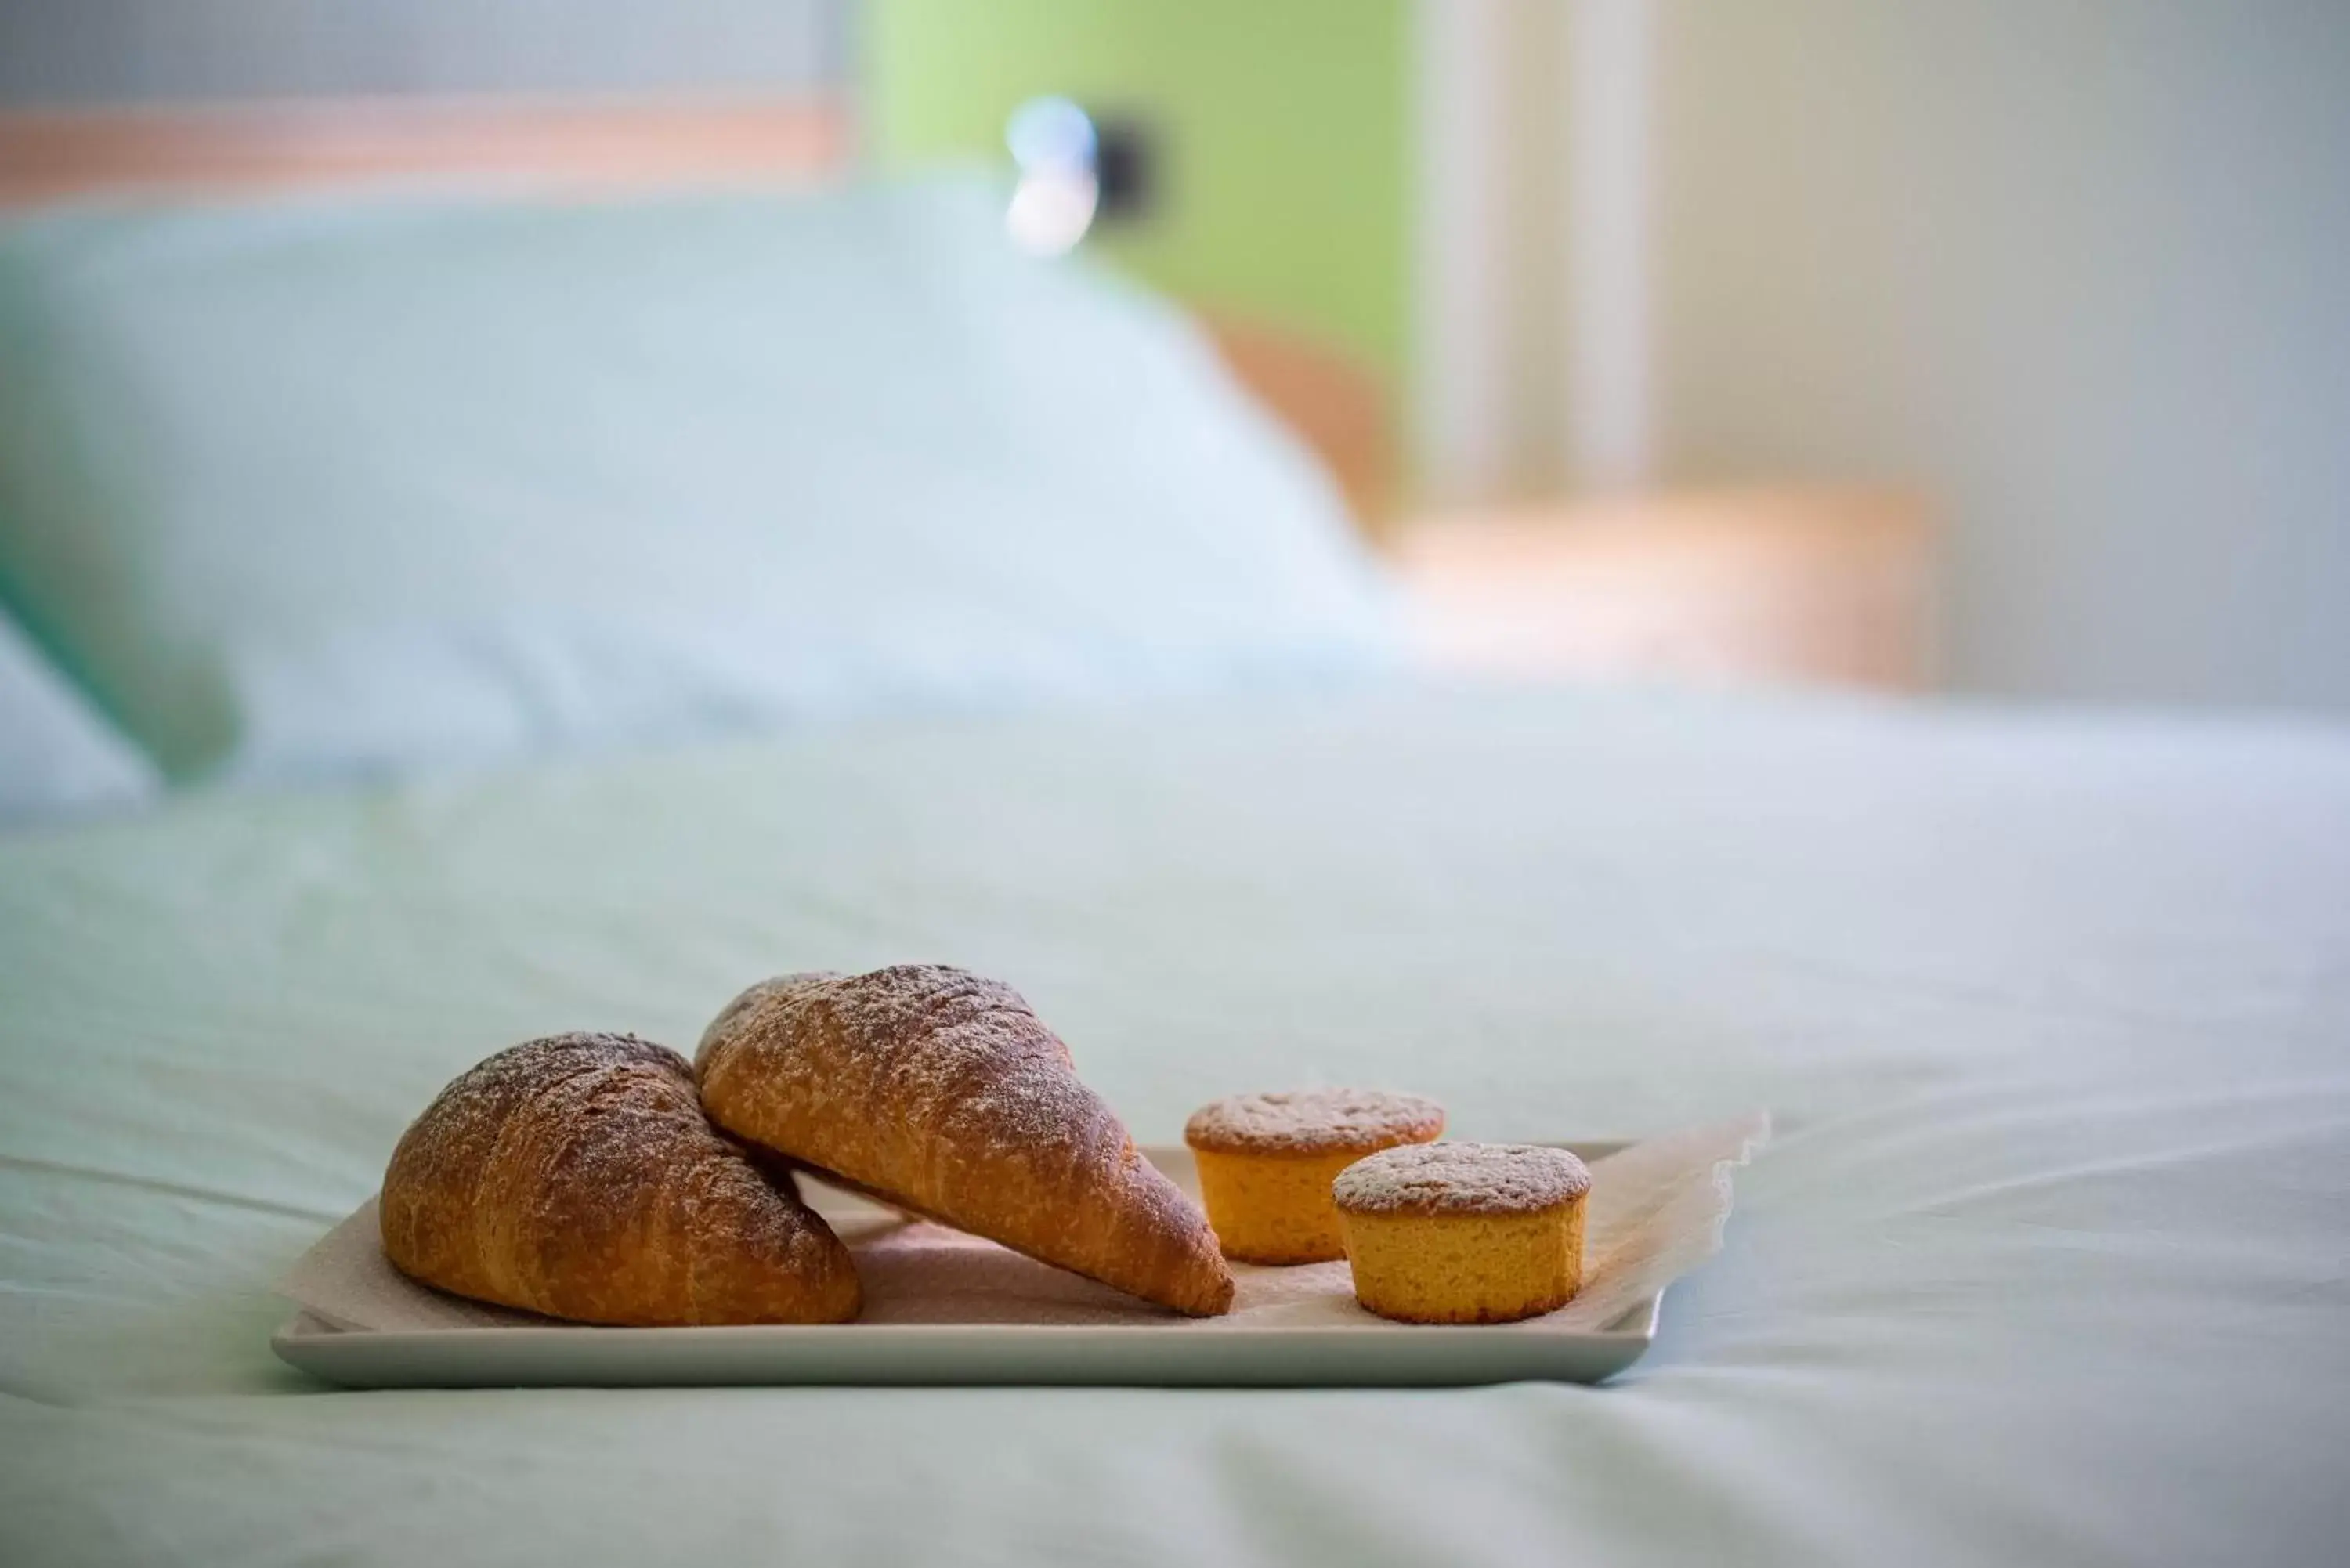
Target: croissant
[(575, 1176), (942, 1093)]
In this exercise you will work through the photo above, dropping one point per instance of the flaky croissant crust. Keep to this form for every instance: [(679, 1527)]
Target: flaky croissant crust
[(577, 1175), (943, 1091)]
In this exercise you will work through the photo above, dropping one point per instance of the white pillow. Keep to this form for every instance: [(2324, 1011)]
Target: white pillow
[(343, 485), (57, 756)]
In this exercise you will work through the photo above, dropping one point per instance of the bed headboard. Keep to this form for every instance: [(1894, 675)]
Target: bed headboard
[(50, 153)]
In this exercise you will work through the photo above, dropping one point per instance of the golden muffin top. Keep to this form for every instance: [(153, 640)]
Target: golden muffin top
[(1314, 1121), (1461, 1178)]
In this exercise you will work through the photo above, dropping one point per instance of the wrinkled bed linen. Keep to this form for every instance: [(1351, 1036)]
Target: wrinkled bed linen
[(2046, 1262)]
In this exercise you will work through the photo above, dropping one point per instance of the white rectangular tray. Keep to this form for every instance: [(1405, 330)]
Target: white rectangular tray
[(1296, 1327)]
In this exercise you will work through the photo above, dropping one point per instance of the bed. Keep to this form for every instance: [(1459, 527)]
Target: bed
[(2045, 1263)]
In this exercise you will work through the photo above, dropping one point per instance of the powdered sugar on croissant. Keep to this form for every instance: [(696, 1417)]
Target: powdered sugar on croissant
[(577, 1175), (943, 1091)]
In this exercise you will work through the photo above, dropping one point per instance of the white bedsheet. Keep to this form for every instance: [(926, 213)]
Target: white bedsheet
[(2046, 1264)]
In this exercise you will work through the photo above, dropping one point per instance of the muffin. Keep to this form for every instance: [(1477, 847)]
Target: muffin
[(1464, 1232), (1266, 1162)]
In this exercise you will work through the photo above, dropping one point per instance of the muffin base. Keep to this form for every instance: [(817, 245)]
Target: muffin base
[(1466, 1268), (1274, 1207)]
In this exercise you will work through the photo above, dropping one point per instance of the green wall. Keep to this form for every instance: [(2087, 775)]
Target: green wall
[(1282, 137)]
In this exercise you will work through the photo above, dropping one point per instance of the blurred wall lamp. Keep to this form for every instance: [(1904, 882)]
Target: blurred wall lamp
[(1073, 172)]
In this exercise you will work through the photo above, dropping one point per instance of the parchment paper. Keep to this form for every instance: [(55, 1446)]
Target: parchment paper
[(1658, 1208)]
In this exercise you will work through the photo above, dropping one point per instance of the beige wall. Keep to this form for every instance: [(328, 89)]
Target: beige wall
[(55, 52), (2082, 267)]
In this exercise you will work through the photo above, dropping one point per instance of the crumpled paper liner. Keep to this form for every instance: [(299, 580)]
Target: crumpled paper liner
[(1658, 1208)]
